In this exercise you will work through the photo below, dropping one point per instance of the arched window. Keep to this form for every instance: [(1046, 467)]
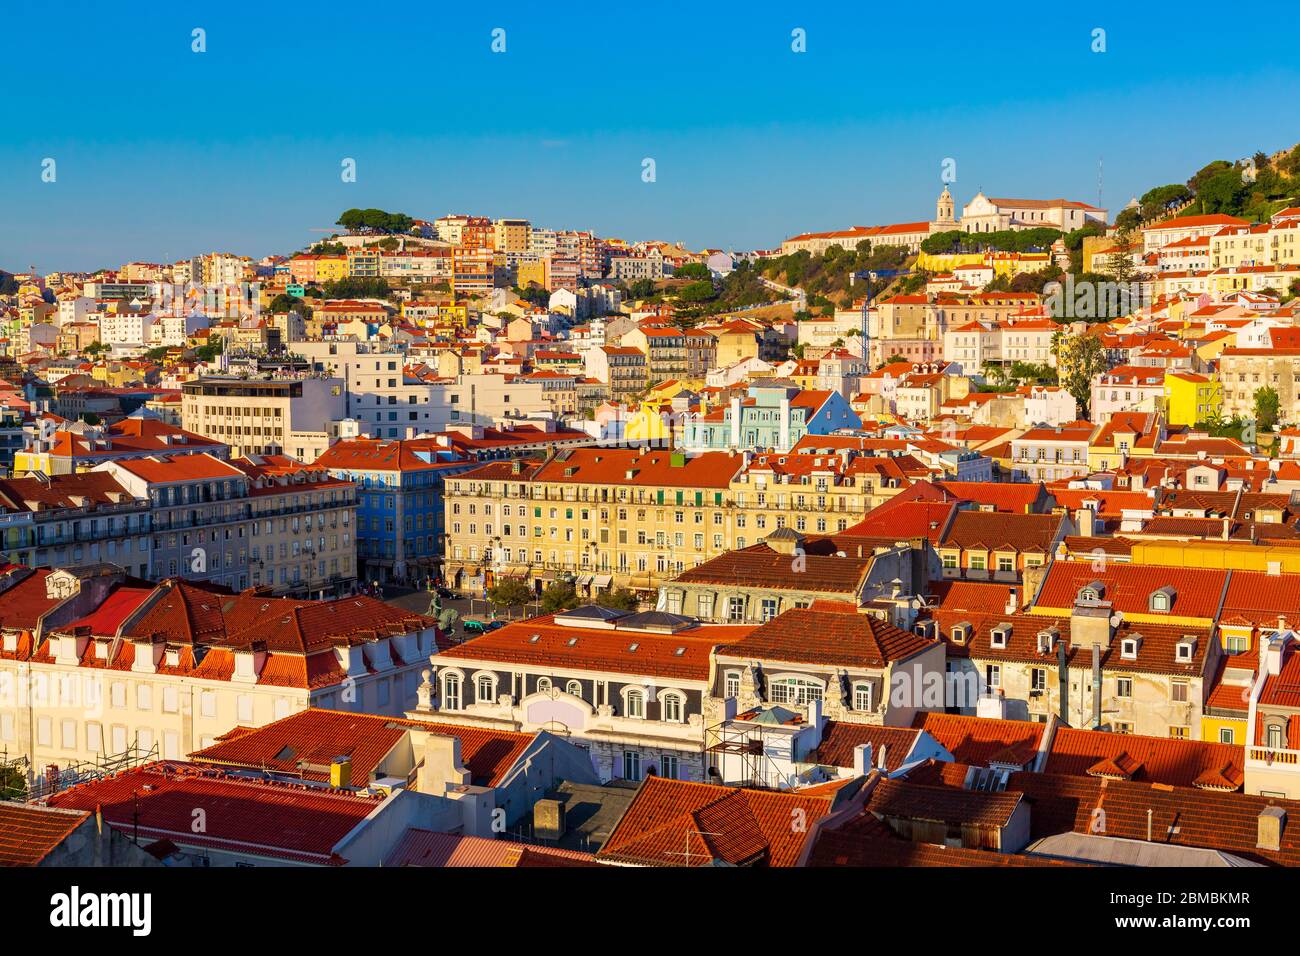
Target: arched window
[(673, 707), (862, 697), (574, 687), (486, 689), (451, 692), (635, 703), (543, 685), (1275, 734)]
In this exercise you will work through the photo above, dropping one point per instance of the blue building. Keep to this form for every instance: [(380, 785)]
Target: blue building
[(773, 415), (399, 503)]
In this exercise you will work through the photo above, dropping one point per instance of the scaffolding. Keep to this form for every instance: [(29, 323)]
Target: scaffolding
[(735, 739), (19, 780)]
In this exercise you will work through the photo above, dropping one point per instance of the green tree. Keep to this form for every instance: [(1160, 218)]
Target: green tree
[(641, 289), (1079, 358), (560, 596), (693, 270), (1224, 192), (697, 292), (509, 592), (12, 784), (620, 600), (284, 302), (1268, 406), (206, 353)]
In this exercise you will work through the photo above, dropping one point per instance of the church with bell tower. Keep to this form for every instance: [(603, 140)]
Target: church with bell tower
[(945, 219)]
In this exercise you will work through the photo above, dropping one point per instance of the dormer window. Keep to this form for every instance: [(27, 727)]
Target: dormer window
[(1128, 648), (1001, 635), (924, 628), (961, 632), (1162, 600), (1185, 650), (1091, 593), (1047, 640)]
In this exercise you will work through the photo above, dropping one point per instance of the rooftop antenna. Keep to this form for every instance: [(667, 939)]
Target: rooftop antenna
[(686, 843), (1100, 180)]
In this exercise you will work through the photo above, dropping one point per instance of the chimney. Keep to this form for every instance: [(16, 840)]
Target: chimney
[(862, 759), (442, 768), (1273, 656), (341, 772), (549, 821), (1084, 519), (1012, 604), (1272, 820)]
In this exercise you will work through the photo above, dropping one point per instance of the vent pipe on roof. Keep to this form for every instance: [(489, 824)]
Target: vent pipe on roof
[(1063, 675), (1096, 685)]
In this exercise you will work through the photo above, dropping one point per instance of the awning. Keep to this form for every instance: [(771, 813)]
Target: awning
[(584, 580), (604, 580), (545, 575)]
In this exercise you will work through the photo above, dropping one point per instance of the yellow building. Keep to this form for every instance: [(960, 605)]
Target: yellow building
[(650, 422), (607, 518), (531, 273), (1191, 398)]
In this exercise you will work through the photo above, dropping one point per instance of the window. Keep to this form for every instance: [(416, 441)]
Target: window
[(631, 765), (795, 690), (573, 687), (668, 766), (1179, 733), (484, 689), (451, 692), (769, 608), (862, 697), (1274, 736), (1038, 679), (635, 705), (1178, 691), (732, 684), (1124, 687), (543, 685), (673, 708), (735, 609), (1227, 735), (993, 675)]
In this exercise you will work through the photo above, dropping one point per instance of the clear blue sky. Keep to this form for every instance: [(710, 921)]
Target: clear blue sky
[(162, 152)]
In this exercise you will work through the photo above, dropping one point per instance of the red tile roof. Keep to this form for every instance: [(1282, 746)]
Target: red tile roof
[(980, 740), (428, 848), (823, 635), (677, 823), (29, 833), (1177, 816), (839, 740), (307, 741), (1183, 763), (683, 655), (1128, 587), (289, 822)]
